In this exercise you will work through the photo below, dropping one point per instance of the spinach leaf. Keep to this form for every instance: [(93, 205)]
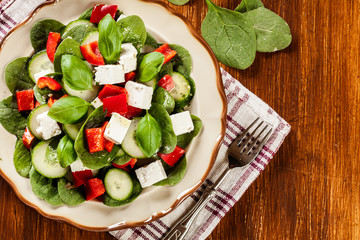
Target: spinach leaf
[(150, 66), (13, 121), (40, 31), (22, 159), (148, 135), (184, 140), (41, 95), (110, 38), (230, 36), (179, 2), (45, 188), (17, 75), (78, 33), (175, 174), (67, 46), (66, 152), (182, 61), (150, 41), (95, 160), (137, 189), (69, 195), (166, 69), (134, 31), (163, 97), (248, 5), (272, 32), (76, 74), (122, 160), (86, 15), (51, 154), (69, 109), (168, 137)]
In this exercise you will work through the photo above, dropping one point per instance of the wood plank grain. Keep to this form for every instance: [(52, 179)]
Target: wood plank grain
[(310, 190)]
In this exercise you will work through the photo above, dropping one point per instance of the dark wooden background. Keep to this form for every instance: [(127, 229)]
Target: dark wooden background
[(311, 188)]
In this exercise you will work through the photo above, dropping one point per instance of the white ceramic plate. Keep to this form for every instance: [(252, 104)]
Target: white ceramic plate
[(208, 104)]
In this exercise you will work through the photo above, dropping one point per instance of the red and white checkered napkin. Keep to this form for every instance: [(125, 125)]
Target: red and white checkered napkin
[(243, 108)]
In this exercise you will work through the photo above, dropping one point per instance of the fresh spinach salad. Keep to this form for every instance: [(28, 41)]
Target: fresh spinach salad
[(100, 109)]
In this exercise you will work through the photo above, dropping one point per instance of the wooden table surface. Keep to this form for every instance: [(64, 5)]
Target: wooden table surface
[(310, 190)]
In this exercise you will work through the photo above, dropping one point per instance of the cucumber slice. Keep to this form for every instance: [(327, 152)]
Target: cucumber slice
[(32, 124), (118, 184), (72, 130), (40, 62), (182, 88), (75, 24), (129, 144), (87, 95), (46, 167), (91, 37)]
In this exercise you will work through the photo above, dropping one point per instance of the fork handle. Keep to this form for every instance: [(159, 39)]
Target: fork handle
[(182, 226)]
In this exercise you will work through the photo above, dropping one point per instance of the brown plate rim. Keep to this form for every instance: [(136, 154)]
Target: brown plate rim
[(186, 193)]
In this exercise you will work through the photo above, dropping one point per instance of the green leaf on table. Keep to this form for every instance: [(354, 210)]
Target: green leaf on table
[(11, 119), (22, 159), (69, 109), (150, 66), (248, 5), (17, 76), (230, 35), (148, 135), (76, 74), (66, 152), (179, 2), (110, 38), (272, 32)]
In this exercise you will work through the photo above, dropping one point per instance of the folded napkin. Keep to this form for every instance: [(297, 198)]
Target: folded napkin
[(243, 108)]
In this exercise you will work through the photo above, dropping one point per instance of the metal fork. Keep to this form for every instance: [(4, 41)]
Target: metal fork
[(242, 151)]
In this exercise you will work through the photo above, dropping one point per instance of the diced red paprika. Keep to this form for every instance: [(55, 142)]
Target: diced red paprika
[(49, 82), (37, 104), (132, 112), (130, 163), (27, 138), (52, 100), (108, 145), (95, 139), (94, 188), (82, 177), (121, 167), (130, 76), (116, 104), (25, 100), (173, 157), (101, 10), (51, 44), (167, 51), (167, 83), (111, 90), (92, 53)]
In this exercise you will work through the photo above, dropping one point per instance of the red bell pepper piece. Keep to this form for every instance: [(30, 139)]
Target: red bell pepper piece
[(130, 163), (92, 53), (173, 157), (101, 10), (167, 83), (130, 76), (121, 167), (25, 100), (132, 112), (167, 51), (94, 188), (51, 44), (108, 145), (49, 82), (37, 104), (51, 101), (111, 90), (28, 138), (81, 177), (116, 104), (95, 139)]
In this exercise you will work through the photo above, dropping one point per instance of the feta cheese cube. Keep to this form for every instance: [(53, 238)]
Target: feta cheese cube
[(78, 166), (182, 123), (96, 103), (150, 174), (42, 74), (48, 127), (109, 74), (128, 57), (117, 128), (140, 96)]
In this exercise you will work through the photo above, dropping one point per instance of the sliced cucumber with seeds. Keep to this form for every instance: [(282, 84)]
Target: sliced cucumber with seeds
[(182, 88), (32, 124), (91, 37), (40, 62), (129, 144), (87, 95), (118, 184), (73, 24), (46, 167)]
